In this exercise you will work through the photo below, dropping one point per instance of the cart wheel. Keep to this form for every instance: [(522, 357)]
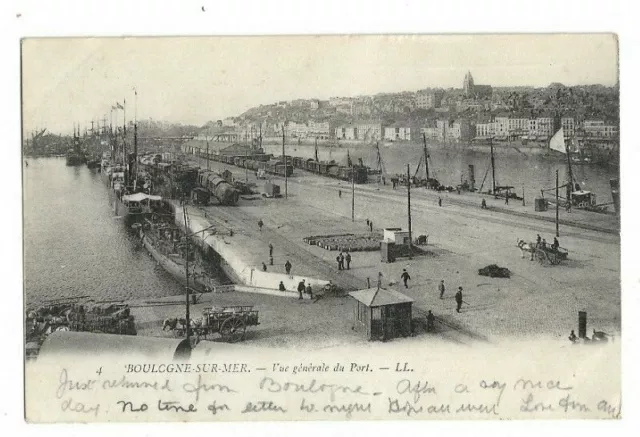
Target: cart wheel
[(233, 329), (540, 256)]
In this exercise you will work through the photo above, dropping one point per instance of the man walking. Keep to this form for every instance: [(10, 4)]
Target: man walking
[(439, 201), (264, 267), (338, 261), (341, 261), (441, 288), (348, 259), (287, 267), (371, 225), (309, 291), (260, 224), (270, 249), (405, 277), (301, 288), (459, 299)]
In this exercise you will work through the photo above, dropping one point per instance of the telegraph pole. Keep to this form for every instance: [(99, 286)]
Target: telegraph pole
[(409, 209), (493, 170), (284, 160), (353, 193)]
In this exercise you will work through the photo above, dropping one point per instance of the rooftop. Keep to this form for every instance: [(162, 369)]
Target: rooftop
[(375, 297)]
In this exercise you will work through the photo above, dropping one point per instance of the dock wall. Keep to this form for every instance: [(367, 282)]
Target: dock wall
[(237, 261)]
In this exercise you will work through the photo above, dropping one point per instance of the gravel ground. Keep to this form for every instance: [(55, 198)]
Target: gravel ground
[(537, 301)]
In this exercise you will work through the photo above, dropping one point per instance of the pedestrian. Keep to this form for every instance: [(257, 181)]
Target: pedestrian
[(506, 199), (287, 267), (431, 319), (281, 287), (348, 259), (459, 299), (270, 249), (340, 194), (367, 222), (441, 288), (371, 225), (405, 277), (572, 337), (260, 224), (483, 205), (341, 261), (309, 291), (338, 261), (439, 201), (264, 267), (301, 288), (270, 260)]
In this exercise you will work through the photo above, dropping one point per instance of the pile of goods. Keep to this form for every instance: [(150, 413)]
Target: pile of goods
[(495, 272), (108, 319), (347, 242)]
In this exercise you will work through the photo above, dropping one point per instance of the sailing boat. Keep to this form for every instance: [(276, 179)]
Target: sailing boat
[(575, 195)]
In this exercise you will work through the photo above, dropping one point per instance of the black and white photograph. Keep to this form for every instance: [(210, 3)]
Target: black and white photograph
[(304, 216)]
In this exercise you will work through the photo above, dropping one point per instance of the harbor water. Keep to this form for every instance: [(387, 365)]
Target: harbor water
[(74, 245), (520, 170)]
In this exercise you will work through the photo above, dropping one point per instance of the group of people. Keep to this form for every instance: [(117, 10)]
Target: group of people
[(340, 259), (597, 336), (541, 243), (370, 225), (302, 288)]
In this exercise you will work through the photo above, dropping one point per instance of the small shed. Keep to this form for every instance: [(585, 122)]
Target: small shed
[(396, 235), (383, 314)]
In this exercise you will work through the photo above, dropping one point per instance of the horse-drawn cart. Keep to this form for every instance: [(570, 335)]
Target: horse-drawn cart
[(551, 255), (230, 322)]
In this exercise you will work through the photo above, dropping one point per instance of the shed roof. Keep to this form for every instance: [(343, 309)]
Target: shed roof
[(375, 297)]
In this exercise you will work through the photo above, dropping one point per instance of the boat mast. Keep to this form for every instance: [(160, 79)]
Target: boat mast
[(570, 176), (409, 208), (186, 236), (426, 155)]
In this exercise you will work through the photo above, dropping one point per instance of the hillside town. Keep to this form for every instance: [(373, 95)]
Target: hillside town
[(471, 113)]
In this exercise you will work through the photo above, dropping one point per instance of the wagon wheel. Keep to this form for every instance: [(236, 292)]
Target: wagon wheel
[(233, 329), (554, 258), (540, 256)]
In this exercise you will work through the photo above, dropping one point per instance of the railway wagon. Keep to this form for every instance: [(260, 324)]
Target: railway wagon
[(333, 171), (299, 162), (359, 174)]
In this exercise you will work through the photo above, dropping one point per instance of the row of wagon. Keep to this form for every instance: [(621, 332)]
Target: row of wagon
[(331, 169), (268, 164), (254, 162)]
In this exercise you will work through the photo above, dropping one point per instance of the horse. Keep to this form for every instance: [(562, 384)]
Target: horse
[(526, 247)]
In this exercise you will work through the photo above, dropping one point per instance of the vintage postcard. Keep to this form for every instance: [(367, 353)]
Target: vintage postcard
[(315, 228)]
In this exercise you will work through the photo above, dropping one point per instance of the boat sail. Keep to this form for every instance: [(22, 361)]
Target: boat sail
[(557, 142)]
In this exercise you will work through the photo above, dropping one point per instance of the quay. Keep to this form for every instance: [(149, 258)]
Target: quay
[(537, 301)]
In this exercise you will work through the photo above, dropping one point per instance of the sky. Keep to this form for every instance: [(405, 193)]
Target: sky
[(196, 79)]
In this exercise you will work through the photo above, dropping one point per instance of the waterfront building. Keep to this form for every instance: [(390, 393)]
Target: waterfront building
[(485, 130), (346, 132), (398, 132), (598, 129), (568, 125), (502, 126)]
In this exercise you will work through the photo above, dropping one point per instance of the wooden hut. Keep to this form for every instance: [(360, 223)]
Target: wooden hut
[(382, 313)]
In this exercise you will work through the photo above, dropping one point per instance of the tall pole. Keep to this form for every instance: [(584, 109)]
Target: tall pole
[(186, 233), (493, 170), (426, 155), (409, 209), (557, 208), (207, 137), (284, 159), (353, 193)]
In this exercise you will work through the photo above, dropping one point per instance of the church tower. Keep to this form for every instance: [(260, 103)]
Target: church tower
[(467, 85)]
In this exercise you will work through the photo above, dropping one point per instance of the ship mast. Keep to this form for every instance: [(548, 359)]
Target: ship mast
[(426, 156)]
